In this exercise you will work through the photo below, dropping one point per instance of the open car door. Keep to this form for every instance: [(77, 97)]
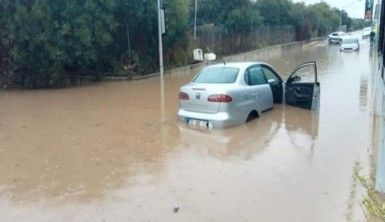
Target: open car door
[(302, 88)]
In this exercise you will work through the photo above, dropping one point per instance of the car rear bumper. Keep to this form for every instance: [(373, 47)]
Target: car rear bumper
[(218, 120), (349, 49)]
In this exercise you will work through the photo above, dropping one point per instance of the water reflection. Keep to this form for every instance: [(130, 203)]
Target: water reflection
[(363, 97), (70, 144), (162, 99), (246, 141)]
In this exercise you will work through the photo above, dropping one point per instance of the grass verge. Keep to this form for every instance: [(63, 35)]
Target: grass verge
[(373, 202)]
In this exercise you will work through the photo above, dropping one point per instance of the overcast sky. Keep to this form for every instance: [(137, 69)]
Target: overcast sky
[(355, 8)]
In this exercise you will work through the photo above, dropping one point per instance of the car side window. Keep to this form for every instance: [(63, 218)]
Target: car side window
[(269, 74), (254, 76), (305, 74)]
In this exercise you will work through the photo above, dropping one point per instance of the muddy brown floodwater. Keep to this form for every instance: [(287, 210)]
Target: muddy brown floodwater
[(111, 152)]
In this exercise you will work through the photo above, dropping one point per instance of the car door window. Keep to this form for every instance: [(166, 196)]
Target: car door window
[(255, 76), (304, 74), (270, 75)]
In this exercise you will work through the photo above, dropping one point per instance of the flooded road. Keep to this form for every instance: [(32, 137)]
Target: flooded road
[(115, 151)]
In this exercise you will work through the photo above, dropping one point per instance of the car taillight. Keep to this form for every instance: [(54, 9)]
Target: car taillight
[(220, 98), (183, 96)]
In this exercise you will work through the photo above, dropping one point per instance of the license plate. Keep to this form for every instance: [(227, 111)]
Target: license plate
[(198, 123)]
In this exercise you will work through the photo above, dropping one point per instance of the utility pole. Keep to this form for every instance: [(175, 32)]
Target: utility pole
[(160, 32), (195, 21)]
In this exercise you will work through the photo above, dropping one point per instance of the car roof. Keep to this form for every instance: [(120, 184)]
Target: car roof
[(339, 32), (239, 65)]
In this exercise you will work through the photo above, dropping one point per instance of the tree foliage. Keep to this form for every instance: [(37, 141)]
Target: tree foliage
[(45, 38), (43, 42), (275, 12)]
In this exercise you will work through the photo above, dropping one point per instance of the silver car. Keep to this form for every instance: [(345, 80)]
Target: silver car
[(336, 37), (350, 44), (229, 94)]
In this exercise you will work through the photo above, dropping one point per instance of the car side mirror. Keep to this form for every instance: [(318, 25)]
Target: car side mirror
[(295, 79), (270, 81)]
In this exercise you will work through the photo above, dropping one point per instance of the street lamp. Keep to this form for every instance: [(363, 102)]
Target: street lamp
[(195, 20)]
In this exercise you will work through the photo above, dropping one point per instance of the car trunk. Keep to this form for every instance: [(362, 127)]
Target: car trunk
[(348, 46), (198, 95)]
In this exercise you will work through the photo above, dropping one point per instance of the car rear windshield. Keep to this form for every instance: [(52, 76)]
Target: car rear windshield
[(217, 75), (349, 41)]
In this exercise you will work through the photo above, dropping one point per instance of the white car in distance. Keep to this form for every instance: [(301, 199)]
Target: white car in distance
[(336, 37), (350, 44)]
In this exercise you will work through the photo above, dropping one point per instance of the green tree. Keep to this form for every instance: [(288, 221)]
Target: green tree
[(357, 23), (36, 59), (298, 18), (43, 42), (141, 18), (240, 16), (275, 12), (84, 33), (345, 19), (4, 46), (242, 20), (234, 21), (322, 18), (47, 37), (176, 39)]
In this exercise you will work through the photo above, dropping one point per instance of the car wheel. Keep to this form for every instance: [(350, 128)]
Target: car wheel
[(253, 115)]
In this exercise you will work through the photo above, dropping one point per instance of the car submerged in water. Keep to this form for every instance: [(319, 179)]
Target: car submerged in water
[(229, 94), (350, 44)]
